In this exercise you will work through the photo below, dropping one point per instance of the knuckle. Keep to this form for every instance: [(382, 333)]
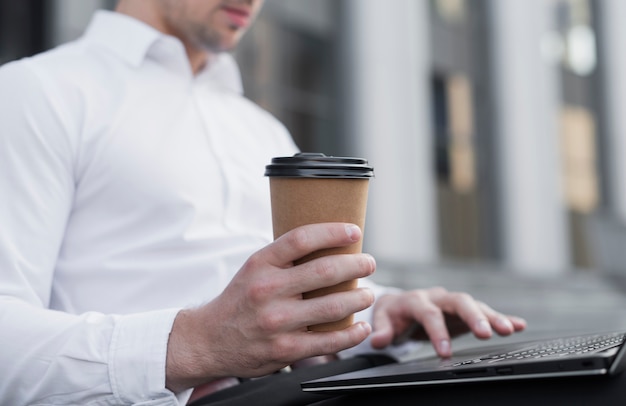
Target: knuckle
[(253, 262), (462, 297), (324, 268), (332, 345), (438, 290), (333, 309), (261, 290), (420, 296), (483, 306), (431, 312), (283, 348), (299, 239), (270, 321)]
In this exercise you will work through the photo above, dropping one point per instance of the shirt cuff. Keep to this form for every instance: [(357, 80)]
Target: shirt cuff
[(137, 357)]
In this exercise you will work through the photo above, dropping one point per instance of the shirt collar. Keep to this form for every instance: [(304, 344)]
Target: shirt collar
[(135, 41)]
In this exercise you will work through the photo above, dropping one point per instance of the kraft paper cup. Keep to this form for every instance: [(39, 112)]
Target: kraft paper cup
[(313, 188)]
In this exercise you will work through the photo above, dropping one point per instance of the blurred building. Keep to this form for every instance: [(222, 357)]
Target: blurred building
[(494, 126)]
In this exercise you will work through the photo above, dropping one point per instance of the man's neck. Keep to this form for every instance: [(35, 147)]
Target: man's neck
[(147, 12), (198, 57)]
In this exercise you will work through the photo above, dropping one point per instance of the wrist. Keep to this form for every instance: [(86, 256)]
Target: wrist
[(187, 356)]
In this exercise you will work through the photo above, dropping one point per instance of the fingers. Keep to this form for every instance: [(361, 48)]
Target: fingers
[(322, 343), (333, 307), (395, 315), (265, 285), (441, 315), (324, 309), (327, 271), (481, 319), (473, 313), (320, 272), (519, 324), (304, 240), (503, 324), (384, 332), (304, 344), (432, 319)]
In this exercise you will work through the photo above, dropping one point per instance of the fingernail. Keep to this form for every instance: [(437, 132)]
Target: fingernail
[(521, 323), (505, 323), (370, 297), (444, 347), (366, 328), (353, 231), (372, 263), (483, 327)]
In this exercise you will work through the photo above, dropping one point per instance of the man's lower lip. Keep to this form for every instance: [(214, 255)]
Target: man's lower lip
[(238, 19)]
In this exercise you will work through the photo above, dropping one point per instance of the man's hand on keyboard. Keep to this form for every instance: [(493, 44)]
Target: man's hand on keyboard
[(438, 315)]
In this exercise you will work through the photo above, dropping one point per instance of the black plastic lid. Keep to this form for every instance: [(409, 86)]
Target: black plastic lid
[(317, 165)]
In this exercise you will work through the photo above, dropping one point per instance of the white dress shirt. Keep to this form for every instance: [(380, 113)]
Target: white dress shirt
[(129, 189)]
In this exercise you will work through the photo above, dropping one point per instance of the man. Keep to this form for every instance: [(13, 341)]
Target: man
[(136, 253)]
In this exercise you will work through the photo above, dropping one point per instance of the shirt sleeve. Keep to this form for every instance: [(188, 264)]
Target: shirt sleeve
[(47, 356)]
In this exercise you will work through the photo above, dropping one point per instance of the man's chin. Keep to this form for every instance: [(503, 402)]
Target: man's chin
[(223, 46)]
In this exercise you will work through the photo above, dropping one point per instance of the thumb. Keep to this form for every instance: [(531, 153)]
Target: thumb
[(382, 330)]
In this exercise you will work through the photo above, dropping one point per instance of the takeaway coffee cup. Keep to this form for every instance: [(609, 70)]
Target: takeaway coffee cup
[(312, 188)]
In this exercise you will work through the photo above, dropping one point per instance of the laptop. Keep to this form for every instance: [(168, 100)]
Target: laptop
[(578, 355)]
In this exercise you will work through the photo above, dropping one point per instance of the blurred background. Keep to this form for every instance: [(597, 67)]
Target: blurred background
[(494, 127)]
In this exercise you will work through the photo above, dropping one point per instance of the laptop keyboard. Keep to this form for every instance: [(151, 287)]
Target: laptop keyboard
[(554, 348)]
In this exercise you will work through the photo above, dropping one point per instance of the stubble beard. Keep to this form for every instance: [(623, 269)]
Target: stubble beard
[(212, 40)]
